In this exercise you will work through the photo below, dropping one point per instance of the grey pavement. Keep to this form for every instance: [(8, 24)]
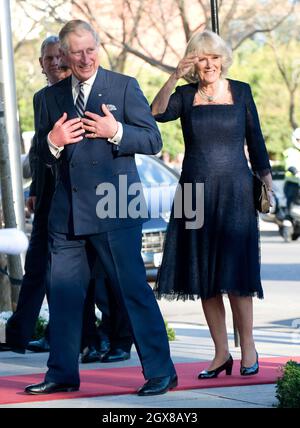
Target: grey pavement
[(276, 331)]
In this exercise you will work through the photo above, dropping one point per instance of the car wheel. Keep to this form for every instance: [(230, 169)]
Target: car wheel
[(287, 233)]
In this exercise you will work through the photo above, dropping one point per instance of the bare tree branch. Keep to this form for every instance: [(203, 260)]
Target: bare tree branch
[(23, 40), (49, 8), (184, 19), (229, 15), (264, 30), (290, 77), (204, 7)]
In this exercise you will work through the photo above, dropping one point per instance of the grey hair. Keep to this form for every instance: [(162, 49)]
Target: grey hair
[(51, 40), (208, 42), (72, 27)]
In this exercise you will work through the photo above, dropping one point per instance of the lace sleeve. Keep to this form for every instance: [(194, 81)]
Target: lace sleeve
[(258, 154), (173, 110), (262, 173)]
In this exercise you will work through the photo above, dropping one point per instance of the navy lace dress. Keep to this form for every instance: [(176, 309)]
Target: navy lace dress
[(223, 255)]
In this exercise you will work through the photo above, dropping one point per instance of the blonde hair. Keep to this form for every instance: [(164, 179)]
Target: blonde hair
[(208, 43)]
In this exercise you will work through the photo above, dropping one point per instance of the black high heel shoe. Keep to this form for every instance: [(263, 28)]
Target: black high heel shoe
[(227, 366), (248, 371)]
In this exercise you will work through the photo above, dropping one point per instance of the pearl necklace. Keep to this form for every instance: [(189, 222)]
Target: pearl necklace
[(211, 98)]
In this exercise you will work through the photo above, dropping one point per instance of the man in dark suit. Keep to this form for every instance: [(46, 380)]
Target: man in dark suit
[(93, 124), (112, 341), (21, 324)]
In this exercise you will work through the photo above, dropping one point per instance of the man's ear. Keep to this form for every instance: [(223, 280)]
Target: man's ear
[(62, 54), (41, 64)]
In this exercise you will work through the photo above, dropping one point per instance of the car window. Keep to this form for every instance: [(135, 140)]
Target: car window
[(152, 172)]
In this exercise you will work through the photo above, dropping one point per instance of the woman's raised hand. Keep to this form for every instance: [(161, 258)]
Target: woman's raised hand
[(185, 64)]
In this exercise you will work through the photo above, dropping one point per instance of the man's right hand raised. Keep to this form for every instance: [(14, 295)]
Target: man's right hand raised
[(66, 131)]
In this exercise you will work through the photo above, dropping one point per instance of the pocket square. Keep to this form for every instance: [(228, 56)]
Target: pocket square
[(111, 107)]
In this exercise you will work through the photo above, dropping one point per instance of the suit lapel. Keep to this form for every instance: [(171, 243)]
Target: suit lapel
[(99, 92), (64, 99)]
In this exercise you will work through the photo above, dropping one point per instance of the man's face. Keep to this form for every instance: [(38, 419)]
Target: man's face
[(82, 55), (49, 63)]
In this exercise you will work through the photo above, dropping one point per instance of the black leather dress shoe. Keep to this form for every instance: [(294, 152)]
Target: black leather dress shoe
[(14, 348), (50, 388), (158, 385), (41, 345), (115, 355), (104, 346), (90, 355)]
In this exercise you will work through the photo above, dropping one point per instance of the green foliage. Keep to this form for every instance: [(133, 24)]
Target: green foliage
[(255, 63), (172, 138), (170, 332), (40, 328), (151, 80), (29, 77), (288, 386), (41, 325)]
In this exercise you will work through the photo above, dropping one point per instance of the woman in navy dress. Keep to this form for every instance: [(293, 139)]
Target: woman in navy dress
[(222, 256)]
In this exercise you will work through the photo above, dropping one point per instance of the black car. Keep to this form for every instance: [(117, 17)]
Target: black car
[(159, 185)]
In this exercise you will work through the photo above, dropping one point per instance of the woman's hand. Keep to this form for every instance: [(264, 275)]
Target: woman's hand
[(184, 65), (161, 100), (267, 179), (271, 197)]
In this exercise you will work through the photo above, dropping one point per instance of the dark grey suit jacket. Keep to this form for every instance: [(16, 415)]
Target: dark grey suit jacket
[(42, 176)]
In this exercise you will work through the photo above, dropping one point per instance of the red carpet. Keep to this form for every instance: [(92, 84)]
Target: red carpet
[(116, 381)]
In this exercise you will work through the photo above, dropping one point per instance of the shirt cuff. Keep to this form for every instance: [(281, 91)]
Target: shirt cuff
[(55, 151), (116, 139)]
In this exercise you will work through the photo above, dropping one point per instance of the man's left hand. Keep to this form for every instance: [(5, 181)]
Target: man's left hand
[(30, 204), (100, 126)]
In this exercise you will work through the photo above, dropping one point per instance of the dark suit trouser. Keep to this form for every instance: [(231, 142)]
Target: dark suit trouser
[(120, 254), (21, 324), (114, 327), (114, 323)]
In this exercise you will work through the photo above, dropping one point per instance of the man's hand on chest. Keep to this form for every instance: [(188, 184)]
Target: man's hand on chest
[(98, 126), (66, 131)]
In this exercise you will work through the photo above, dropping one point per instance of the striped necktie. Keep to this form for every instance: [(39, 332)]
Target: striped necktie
[(79, 105)]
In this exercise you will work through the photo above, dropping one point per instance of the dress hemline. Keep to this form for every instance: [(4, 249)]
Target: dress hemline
[(188, 296)]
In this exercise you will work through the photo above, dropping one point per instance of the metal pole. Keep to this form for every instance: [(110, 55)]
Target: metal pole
[(10, 153), (11, 112), (214, 16)]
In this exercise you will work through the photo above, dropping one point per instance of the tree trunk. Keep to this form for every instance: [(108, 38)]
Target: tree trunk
[(5, 289), (292, 118)]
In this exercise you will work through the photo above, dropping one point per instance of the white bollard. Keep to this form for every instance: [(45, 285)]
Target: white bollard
[(13, 241)]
